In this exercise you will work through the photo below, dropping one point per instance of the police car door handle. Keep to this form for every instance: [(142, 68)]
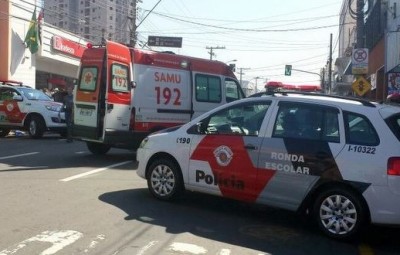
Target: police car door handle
[(250, 147), (110, 106)]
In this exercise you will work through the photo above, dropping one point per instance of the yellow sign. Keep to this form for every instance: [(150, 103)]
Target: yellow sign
[(361, 86)]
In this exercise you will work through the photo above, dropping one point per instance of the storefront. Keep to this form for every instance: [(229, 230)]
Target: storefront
[(55, 64)]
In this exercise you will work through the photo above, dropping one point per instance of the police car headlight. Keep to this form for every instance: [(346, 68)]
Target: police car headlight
[(54, 108), (144, 142)]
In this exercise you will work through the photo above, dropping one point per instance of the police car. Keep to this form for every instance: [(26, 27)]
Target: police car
[(336, 158), (25, 108)]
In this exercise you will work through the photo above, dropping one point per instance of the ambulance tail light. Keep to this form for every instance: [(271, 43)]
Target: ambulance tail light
[(393, 166), (132, 119)]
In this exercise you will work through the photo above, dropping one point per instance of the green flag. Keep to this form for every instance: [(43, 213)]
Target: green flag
[(32, 38)]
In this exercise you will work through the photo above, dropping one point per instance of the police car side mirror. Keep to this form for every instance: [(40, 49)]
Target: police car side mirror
[(196, 129), (17, 98)]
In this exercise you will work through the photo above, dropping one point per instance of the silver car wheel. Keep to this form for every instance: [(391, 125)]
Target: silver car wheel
[(32, 127), (162, 180), (338, 214)]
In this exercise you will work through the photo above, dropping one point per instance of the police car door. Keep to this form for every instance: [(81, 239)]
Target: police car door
[(304, 141), (118, 93), (224, 156)]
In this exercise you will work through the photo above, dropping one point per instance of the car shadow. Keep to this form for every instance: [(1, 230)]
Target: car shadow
[(255, 227)]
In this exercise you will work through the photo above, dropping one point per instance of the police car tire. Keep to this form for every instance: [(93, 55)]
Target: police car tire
[(164, 180), (338, 208), (4, 132), (36, 127)]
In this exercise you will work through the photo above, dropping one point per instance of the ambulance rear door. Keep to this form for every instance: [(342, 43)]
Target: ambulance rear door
[(87, 99), (118, 93)]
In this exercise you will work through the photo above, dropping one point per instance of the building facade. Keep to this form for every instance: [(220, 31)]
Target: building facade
[(54, 65), (381, 38), (95, 19)]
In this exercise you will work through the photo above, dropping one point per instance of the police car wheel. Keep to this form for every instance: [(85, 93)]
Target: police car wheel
[(164, 180), (36, 127), (4, 132), (339, 213)]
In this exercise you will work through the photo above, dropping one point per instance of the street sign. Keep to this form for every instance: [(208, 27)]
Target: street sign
[(359, 61), (164, 41), (361, 86)]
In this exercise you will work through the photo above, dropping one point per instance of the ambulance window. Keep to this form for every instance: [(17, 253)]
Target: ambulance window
[(233, 90), (88, 79), (119, 78), (208, 88)]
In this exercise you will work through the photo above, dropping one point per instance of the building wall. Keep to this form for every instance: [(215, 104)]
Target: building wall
[(21, 65), (92, 20), (17, 63), (4, 42)]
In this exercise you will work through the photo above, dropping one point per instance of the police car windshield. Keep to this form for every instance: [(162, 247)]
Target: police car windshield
[(33, 94)]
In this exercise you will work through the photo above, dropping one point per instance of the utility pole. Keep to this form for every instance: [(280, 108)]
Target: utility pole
[(360, 24), (330, 66), (133, 27), (241, 73), (211, 52)]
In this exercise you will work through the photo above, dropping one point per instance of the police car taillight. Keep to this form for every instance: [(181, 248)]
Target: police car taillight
[(393, 166)]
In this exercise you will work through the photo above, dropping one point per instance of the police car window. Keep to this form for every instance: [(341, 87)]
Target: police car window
[(208, 88), (244, 119), (305, 121), (359, 130), (34, 94), (7, 94), (394, 124)]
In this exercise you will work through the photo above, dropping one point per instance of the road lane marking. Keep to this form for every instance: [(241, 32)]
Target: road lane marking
[(94, 171), (147, 247), (19, 155), (187, 248), (58, 239)]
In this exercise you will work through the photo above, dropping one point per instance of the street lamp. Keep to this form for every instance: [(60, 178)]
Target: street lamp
[(233, 60)]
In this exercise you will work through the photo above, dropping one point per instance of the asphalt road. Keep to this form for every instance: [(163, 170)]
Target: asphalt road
[(57, 198)]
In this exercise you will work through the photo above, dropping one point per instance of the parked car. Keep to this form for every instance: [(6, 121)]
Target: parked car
[(25, 108), (336, 159)]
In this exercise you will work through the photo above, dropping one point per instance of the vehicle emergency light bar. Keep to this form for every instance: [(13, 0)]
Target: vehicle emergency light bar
[(11, 82)]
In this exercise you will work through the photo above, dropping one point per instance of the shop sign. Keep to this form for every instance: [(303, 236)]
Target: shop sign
[(67, 46)]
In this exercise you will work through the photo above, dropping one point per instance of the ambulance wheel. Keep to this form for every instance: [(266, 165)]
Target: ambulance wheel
[(4, 132), (36, 127), (339, 213), (98, 148), (164, 179)]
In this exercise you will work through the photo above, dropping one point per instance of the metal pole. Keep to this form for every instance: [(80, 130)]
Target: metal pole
[(330, 66)]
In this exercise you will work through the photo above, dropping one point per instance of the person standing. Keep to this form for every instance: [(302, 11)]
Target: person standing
[(69, 106)]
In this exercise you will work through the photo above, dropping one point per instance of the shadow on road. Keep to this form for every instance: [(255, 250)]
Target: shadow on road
[(255, 227)]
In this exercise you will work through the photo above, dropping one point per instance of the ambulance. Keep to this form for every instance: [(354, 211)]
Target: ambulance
[(123, 94)]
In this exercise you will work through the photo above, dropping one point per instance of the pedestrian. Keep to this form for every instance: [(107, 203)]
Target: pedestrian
[(68, 107)]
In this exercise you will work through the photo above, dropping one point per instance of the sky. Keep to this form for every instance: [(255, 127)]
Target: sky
[(261, 35)]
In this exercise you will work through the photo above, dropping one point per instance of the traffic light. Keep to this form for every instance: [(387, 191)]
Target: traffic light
[(288, 70)]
